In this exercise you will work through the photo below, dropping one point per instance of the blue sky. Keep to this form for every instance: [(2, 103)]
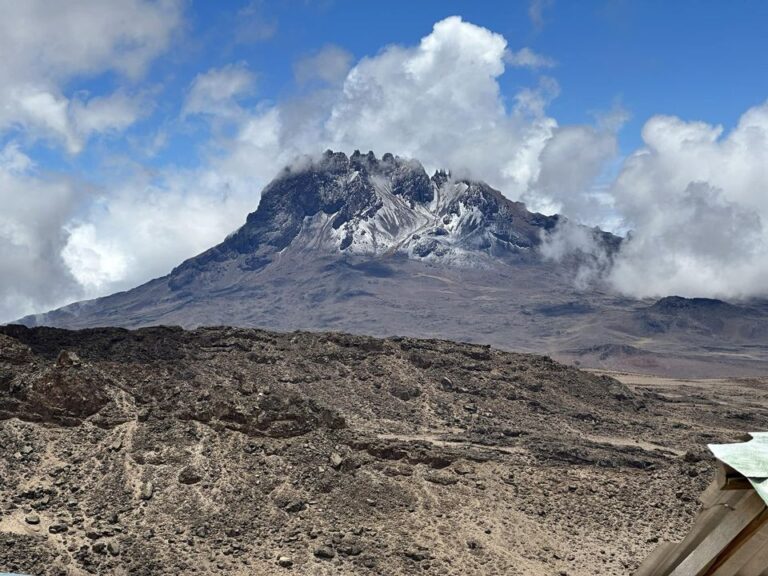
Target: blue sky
[(700, 60), (136, 134)]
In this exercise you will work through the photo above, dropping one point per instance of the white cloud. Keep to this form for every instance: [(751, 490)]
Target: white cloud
[(440, 102), (536, 9), (570, 162), (216, 92), (94, 261), (32, 235), (579, 245), (330, 65), (694, 198), (527, 58), (103, 114), (253, 25), (45, 45), (145, 228)]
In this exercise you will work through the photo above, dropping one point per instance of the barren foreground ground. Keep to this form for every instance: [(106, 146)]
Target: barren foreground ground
[(239, 451)]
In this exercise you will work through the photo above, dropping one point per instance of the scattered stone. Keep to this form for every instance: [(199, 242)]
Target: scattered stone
[(26, 450), (33, 519), (325, 552), (114, 548), (147, 491), (285, 562), (190, 475), (418, 554), (336, 460), (693, 457), (67, 359), (58, 528), (442, 478), (351, 548), (296, 506)]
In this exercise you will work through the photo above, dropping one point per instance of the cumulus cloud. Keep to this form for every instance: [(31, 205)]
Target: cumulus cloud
[(253, 24), (440, 102), (582, 248), (693, 202), (570, 162), (168, 221), (105, 114), (45, 45), (35, 211), (694, 199)]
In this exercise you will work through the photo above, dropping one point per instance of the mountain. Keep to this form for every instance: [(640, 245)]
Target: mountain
[(377, 246), (365, 207)]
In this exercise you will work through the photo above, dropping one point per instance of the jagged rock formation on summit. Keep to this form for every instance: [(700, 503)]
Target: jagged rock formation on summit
[(363, 206)]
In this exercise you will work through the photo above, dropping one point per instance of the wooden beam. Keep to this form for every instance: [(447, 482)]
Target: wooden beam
[(749, 548), (698, 562)]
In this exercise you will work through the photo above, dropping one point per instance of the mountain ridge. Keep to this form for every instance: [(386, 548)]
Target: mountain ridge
[(377, 247), (369, 207)]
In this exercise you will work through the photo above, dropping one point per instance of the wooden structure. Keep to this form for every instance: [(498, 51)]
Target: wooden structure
[(729, 537)]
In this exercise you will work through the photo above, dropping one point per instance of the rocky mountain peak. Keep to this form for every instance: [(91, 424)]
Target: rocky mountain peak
[(365, 205)]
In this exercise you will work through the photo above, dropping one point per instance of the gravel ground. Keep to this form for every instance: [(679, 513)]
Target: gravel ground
[(239, 451)]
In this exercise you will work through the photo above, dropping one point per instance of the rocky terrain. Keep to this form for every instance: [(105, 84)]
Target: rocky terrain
[(241, 451), (376, 246)]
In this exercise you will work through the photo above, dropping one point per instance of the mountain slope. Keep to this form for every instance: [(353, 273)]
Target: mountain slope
[(222, 451), (376, 246), (351, 213)]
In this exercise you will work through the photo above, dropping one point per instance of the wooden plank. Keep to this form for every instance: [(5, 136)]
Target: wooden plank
[(654, 564), (757, 565), (752, 541), (718, 538)]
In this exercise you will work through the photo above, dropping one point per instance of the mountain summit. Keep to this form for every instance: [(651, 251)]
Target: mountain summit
[(364, 206)]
